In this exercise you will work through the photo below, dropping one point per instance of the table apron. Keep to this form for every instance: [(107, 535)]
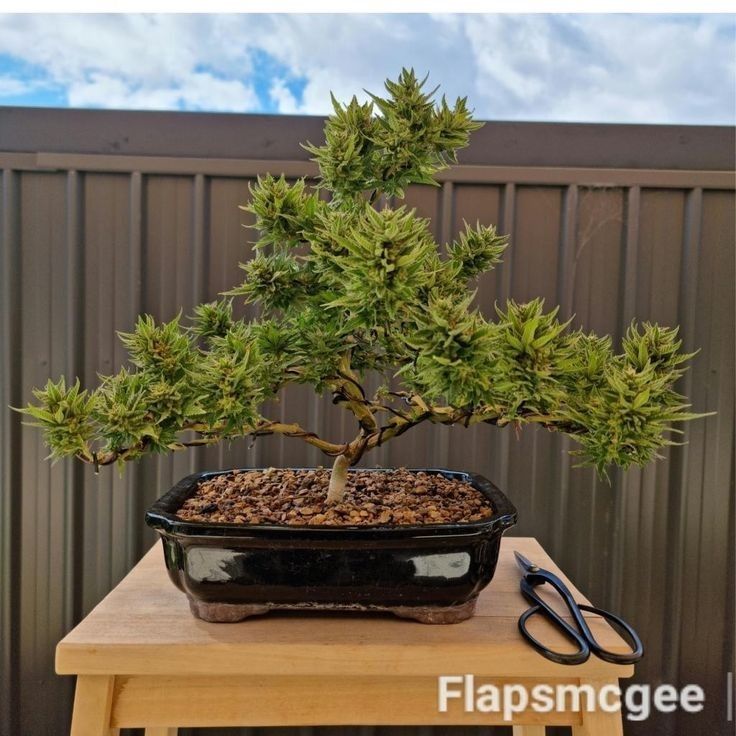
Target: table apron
[(240, 700)]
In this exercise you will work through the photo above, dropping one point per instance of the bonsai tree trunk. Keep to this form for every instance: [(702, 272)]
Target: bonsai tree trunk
[(338, 478), (351, 454)]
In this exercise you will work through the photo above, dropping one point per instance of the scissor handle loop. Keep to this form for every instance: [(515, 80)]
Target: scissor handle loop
[(583, 637), (625, 631), (578, 657)]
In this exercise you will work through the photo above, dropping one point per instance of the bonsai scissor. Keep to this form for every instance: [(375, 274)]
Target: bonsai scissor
[(581, 636)]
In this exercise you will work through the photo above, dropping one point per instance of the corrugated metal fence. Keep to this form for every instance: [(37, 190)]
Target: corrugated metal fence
[(106, 215)]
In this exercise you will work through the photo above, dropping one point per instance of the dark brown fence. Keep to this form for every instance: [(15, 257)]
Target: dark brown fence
[(109, 214)]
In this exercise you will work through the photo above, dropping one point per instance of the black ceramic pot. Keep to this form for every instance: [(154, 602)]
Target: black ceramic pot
[(431, 572)]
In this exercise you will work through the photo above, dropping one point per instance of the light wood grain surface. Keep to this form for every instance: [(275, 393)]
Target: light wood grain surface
[(199, 702), (144, 627)]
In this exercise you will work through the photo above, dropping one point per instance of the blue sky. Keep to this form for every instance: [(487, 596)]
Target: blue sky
[(592, 68)]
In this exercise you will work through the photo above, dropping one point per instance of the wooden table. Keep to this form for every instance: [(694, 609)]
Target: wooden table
[(142, 660)]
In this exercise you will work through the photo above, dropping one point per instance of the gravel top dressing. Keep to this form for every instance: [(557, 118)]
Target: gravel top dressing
[(298, 498)]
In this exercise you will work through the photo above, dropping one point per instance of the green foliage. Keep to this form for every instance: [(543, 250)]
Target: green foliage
[(346, 288), (349, 161), (532, 356), (133, 408), (275, 280), (380, 265), (213, 319), (454, 346), (161, 350), (285, 213), (65, 415), (229, 383), (409, 141), (476, 251), (315, 343), (625, 417)]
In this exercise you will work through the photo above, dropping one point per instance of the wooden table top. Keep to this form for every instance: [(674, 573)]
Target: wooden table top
[(144, 627)]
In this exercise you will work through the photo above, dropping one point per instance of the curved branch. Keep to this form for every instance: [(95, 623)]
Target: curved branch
[(294, 430), (265, 427)]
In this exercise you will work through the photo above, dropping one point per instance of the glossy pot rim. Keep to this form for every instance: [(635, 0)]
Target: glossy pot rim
[(162, 515)]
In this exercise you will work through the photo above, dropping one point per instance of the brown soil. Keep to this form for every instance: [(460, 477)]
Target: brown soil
[(297, 498)]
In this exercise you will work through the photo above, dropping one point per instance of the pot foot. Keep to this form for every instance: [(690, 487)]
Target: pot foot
[(436, 614), (226, 613)]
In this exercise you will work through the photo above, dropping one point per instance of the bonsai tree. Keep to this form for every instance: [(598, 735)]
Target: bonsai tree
[(349, 284)]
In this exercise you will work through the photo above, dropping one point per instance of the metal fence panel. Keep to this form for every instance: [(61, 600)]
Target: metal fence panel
[(108, 214)]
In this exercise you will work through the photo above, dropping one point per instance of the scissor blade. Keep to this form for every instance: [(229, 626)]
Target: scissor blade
[(525, 564)]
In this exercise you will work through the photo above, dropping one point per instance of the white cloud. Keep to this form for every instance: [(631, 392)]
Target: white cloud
[(11, 86), (620, 68), (283, 97), (616, 68), (134, 61), (347, 54), (197, 92)]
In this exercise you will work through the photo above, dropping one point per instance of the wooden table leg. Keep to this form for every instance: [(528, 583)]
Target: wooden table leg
[(528, 731), (161, 731), (92, 705), (600, 722)]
